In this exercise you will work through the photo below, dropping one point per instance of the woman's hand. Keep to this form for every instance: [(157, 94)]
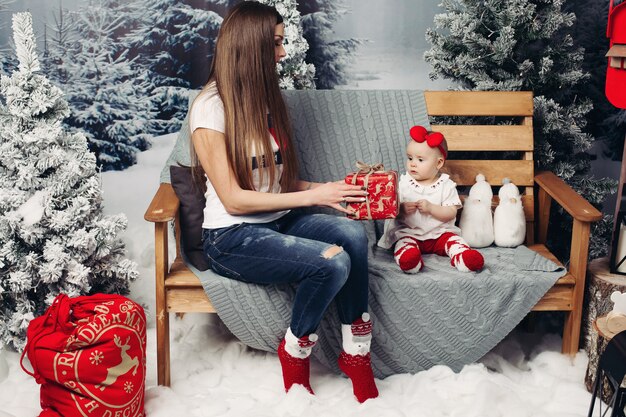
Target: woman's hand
[(332, 194)]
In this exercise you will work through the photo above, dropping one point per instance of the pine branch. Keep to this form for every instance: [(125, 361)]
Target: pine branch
[(25, 43)]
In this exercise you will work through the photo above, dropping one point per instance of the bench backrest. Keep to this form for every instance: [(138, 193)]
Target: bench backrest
[(515, 140), (335, 128)]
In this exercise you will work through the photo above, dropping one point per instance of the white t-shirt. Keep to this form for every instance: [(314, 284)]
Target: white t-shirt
[(207, 112), (422, 226)]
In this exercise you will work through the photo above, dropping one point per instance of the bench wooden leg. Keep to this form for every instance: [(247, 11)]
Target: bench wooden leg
[(578, 268), (162, 316), (163, 348), (571, 332)]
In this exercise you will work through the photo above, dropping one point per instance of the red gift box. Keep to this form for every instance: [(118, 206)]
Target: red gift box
[(382, 186)]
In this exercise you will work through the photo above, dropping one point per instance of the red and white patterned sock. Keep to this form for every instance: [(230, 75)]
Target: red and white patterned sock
[(408, 255), (462, 257), (355, 359), (293, 354)]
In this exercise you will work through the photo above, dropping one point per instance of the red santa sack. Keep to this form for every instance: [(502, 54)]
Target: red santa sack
[(89, 355)]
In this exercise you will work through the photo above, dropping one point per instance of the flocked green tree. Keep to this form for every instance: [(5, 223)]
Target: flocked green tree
[(330, 55), (54, 237), (59, 40), (106, 90), (107, 93), (294, 72), (527, 45), (173, 41)]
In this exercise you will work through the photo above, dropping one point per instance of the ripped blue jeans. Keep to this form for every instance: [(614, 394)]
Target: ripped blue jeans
[(295, 249)]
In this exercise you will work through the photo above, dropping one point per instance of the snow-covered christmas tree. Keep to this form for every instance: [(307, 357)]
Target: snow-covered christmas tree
[(58, 46), (330, 56), (174, 42), (294, 72), (526, 45), (54, 237), (106, 92)]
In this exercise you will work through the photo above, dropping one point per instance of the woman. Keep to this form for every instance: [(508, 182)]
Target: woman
[(249, 233)]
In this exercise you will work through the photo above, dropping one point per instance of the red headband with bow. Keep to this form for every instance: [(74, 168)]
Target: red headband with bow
[(435, 139)]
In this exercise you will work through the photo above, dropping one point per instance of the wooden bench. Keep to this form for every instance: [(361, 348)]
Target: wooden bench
[(179, 291)]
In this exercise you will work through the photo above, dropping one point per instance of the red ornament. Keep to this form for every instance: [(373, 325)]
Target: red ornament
[(615, 88)]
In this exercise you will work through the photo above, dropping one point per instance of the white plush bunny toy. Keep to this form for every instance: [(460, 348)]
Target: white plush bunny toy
[(476, 218), (509, 221)]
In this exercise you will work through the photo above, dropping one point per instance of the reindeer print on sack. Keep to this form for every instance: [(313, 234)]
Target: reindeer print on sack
[(102, 363), (123, 367)]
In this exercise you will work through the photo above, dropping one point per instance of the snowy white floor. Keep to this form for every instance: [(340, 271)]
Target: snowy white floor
[(215, 375)]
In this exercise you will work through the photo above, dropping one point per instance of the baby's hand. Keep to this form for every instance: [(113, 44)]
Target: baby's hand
[(407, 209), (424, 206)]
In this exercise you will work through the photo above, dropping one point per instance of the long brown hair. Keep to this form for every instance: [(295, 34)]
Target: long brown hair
[(244, 70)]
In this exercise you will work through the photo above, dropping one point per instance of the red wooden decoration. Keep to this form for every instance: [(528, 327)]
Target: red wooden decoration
[(616, 71)]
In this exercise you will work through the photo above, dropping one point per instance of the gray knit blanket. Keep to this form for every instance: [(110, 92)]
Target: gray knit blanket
[(439, 316)]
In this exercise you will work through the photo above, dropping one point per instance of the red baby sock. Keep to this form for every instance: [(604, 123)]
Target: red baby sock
[(408, 256), (472, 259), (462, 257)]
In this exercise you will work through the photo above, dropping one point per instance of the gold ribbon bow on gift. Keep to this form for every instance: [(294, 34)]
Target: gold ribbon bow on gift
[(368, 170)]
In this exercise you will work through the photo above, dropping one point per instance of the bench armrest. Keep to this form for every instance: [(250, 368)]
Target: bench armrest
[(576, 205), (164, 205), (583, 213)]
